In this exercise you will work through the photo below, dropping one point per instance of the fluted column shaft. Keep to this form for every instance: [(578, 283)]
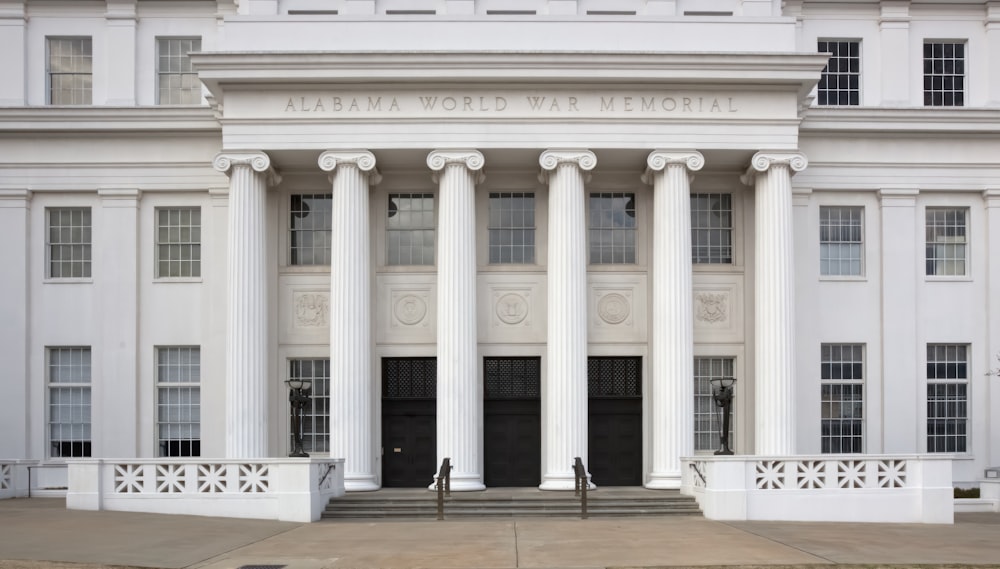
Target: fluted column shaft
[(564, 434), (774, 371), (672, 347), (459, 403), (351, 384), (250, 174)]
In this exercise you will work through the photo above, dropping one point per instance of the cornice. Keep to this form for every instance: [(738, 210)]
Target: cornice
[(113, 119), (913, 120)]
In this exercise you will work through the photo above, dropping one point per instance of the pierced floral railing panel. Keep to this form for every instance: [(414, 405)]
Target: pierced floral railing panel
[(847, 474), (6, 477), (180, 478)]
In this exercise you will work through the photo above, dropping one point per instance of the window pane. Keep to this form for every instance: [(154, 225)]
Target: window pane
[(840, 81)]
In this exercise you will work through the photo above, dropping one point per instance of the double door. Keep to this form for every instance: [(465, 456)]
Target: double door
[(409, 422)]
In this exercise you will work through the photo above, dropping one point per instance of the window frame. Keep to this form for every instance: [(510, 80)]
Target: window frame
[(966, 244), (613, 229), (826, 74), (852, 381), (87, 250), (85, 75), (196, 245), (928, 77), (87, 423), (862, 257), (290, 233), (389, 213), (159, 74), (723, 262), (311, 430), (161, 384), (702, 389), (965, 382), (510, 229)]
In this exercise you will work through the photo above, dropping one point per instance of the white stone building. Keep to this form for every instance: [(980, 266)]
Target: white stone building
[(508, 232)]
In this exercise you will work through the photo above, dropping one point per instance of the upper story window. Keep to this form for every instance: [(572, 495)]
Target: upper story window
[(68, 242), (946, 240), (712, 228), (612, 228), (947, 397), (309, 227), (410, 229), (176, 81), (944, 74), (842, 398), (69, 401), (841, 236), (178, 242), (178, 400), (512, 228), (70, 71), (840, 83)]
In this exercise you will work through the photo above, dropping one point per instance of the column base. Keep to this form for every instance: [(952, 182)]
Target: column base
[(563, 482), (360, 483), (663, 481), (462, 483)]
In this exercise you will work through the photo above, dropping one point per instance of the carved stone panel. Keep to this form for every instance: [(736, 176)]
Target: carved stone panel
[(717, 305), (311, 309), (511, 308), (406, 306), (617, 308), (304, 310)]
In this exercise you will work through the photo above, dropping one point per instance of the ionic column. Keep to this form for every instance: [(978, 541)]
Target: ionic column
[(672, 346), (564, 433), (250, 174), (459, 404), (351, 384), (774, 313)]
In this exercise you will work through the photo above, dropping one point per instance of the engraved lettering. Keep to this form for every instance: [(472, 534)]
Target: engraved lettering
[(669, 104), (303, 103), (648, 105), (319, 106), (554, 107), (467, 104), (732, 108), (338, 105), (572, 104), (375, 104), (607, 104), (354, 105), (394, 106), (290, 106), (501, 104), (429, 103), (536, 102), (449, 103), (716, 108), (628, 104), (687, 104)]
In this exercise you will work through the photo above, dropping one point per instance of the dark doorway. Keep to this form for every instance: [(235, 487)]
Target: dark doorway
[(512, 427), (614, 386), (409, 416)]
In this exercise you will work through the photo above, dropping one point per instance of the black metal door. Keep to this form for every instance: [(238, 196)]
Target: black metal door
[(512, 422), (615, 420), (409, 422)]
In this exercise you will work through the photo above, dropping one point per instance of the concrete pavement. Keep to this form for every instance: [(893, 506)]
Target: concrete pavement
[(41, 529)]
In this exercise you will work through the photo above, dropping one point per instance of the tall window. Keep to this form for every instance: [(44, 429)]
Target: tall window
[(944, 74), (706, 412), (309, 229), (841, 237), (947, 397), (712, 228), (69, 402), (176, 81), (178, 401), (842, 397), (512, 228), (410, 229), (178, 242), (612, 228), (68, 242), (316, 414), (946, 239), (840, 83), (70, 71)]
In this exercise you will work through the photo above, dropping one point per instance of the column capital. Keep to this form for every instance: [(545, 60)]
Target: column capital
[(992, 197), (658, 160), (551, 159), (363, 159), (257, 160), (762, 161), (120, 198), (15, 198), (471, 159)]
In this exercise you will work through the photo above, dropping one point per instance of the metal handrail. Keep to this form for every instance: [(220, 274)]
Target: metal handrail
[(580, 476), (443, 486)]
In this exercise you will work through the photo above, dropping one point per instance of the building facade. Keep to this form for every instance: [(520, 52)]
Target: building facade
[(507, 232)]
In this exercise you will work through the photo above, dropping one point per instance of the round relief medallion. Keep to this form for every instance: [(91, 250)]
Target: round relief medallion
[(613, 308), (410, 309), (512, 308)]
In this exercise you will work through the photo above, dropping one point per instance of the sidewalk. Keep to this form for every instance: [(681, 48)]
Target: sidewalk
[(42, 529)]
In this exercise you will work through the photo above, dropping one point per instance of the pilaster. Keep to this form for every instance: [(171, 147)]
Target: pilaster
[(459, 398), (119, 58), (774, 313), (900, 353), (992, 203), (13, 26), (992, 24), (118, 304), (250, 174), (894, 31), (564, 431), (352, 399), (15, 207), (672, 347)]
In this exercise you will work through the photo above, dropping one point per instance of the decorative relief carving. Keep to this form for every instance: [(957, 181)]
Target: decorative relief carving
[(712, 307), (511, 308), (614, 308), (312, 310), (410, 309)]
